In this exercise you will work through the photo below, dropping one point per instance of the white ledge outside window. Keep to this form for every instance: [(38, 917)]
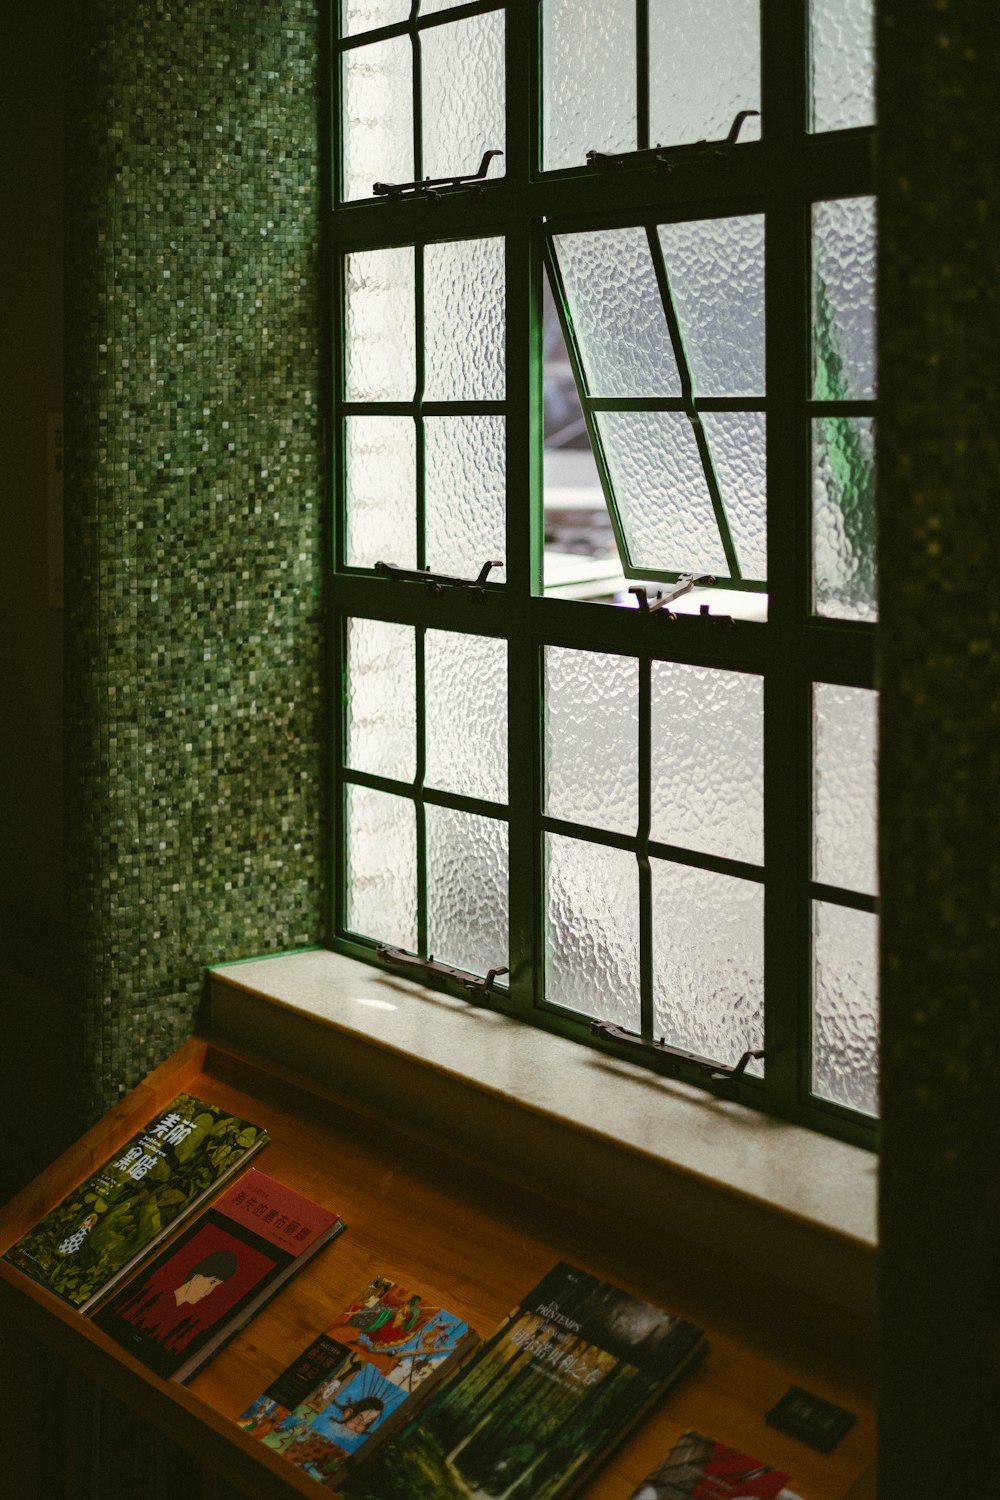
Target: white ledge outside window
[(792, 1205)]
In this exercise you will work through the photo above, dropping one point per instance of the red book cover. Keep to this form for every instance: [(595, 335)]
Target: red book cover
[(699, 1468), (181, 1308)]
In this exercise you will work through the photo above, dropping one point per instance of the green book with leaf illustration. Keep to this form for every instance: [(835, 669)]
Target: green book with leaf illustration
[(86, 1244)]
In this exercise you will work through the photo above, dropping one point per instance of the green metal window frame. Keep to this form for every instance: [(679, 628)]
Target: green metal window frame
[(781, 176)]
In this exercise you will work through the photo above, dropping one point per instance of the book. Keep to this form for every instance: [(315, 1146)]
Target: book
[(87, 1243), (182, 1307), (356, 1381), (699, 1468), (538, 1406)]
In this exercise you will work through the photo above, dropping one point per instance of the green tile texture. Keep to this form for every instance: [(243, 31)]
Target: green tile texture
[(939, 488), (194, 701)]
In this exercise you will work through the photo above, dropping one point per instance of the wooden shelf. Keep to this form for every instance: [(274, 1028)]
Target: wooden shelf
[(448, 1222)]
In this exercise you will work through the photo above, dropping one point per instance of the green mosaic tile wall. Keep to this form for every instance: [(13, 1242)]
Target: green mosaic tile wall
[(194, 497), (939, 487)]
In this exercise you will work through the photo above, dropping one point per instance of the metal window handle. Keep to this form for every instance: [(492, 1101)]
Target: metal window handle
[(666, 157), (718, 1072), (402, 960), (429, 184), (437, 581)]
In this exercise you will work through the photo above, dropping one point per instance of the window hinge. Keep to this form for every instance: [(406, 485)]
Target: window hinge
[(437, 581), (666, 158), (474, 986), (683, 585), (717, 1072), (429, 186)]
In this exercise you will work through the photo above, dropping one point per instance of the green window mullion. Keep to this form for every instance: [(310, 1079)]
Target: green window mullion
[(337, 642), (644, 769), (523, 266), (687, 395), (676, 403), (642, 73), (787, 850), (836, 895), (418, 790), (431, 796), (418, 399), (418, 107)]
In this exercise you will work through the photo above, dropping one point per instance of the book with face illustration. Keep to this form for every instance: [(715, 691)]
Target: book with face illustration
[(381, 1354), (182, 1307)]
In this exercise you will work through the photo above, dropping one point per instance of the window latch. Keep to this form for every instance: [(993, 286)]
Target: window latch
[(429, 185), (683, 586), (437, 581), (717, 1072), (666, 158), (474, 987)]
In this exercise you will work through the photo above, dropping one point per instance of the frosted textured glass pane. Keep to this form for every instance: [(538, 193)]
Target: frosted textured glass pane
[(465, 494), (704, 66), (464, 309), (380, 325), (466, 890), (617, 314), (845, 737), (843, 272), (844, 517), (377, 116), (738, 444), (381, 867), (381, 708), (845, 1006), (588, 68), (708, 962), (381, 491), (466, 695), (366, 15), (708, 760), (716, 272), (659, 485), (592, 930), (842, 37), (434, 7), (462, 83), (591, 738)]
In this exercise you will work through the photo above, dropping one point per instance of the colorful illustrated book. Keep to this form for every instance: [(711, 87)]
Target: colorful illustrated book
[(354, 1383), (94, 1237), (539, 1405), (699, 1468), (182, 1307)]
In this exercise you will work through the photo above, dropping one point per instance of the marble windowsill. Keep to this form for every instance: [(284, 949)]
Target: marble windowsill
[(801, 1206)]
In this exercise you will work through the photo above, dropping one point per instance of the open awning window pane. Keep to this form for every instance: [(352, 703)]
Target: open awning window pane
[(664, 325), (661, 493)]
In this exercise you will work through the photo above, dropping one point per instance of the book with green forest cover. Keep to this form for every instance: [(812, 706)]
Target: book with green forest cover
[(87, 1243), (536, 1409)]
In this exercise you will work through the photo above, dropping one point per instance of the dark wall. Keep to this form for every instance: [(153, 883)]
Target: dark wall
[(194, 678), (939, 488), (32, 1126)]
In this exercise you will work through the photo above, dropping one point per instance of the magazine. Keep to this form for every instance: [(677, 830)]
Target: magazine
[(541, 1403), (84, 1246), (383, 1353), (698, 1468), (182, 1307)]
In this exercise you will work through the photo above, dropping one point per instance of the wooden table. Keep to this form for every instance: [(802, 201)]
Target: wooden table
[(419, 1212)]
